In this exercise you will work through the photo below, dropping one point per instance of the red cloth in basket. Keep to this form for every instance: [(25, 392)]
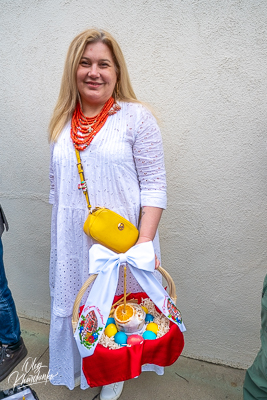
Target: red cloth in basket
[(107, 366)]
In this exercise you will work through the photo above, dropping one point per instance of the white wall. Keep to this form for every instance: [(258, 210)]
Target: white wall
[(202, 66)]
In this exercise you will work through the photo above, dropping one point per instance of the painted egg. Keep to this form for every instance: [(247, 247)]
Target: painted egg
[(95, 336), (149, 318), (111, 330), (145, 309), (120, 338), (152, 327), (149, 335), (135, 339), (110, 321)]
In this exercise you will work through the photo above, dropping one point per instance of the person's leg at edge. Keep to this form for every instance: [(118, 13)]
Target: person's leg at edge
[(12, 348), (255, 384)]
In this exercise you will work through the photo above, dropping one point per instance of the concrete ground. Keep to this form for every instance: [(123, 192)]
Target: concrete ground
[(186, 379)]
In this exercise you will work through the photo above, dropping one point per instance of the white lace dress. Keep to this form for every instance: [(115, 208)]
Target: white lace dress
[(124, 169)]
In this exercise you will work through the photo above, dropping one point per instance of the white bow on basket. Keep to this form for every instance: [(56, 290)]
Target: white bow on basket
[(104, 266)]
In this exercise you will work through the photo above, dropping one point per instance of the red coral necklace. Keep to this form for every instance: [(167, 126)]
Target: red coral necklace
[(84, 129)]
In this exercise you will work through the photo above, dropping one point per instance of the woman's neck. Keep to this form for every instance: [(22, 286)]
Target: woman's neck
[(91, 110)]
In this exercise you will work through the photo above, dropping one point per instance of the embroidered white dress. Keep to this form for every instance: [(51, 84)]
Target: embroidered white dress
[(124, 170)]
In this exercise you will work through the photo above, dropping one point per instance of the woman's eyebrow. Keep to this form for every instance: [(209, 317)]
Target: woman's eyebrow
[(102, 59)]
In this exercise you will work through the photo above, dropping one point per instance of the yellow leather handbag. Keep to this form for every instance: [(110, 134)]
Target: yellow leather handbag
[(105, 226)]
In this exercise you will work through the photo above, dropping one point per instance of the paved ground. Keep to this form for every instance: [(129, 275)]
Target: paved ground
[(187, 379)]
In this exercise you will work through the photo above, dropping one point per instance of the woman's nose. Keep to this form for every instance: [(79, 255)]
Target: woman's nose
[(93, 71)]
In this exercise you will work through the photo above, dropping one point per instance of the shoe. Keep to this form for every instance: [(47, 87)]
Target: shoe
[(10, 356), (111, 392)]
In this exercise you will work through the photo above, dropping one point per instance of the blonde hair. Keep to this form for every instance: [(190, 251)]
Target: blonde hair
[(69, 95)]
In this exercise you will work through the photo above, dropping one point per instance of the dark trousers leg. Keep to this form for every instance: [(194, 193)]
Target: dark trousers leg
[(9, 322)]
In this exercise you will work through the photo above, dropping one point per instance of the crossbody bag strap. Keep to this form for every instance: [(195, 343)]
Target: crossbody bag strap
[(83, 184)]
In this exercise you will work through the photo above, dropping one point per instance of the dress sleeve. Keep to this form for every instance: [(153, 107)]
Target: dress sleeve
[(51, 176), (149, 161)]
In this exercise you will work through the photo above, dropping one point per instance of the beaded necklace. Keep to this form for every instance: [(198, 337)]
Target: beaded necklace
[(84, 129)]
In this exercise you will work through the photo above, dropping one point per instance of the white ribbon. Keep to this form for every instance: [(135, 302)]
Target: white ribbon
[(104, 262)]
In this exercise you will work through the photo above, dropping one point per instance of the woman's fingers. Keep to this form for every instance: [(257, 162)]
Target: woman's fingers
[(157, 263)]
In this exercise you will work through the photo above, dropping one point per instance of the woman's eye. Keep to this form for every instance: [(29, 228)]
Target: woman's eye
[(84, 63), (104, 64)]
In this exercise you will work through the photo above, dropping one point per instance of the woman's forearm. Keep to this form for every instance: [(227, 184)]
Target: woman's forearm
[(150, 218)]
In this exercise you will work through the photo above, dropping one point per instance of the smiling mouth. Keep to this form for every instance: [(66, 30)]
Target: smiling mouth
[(95, 84)]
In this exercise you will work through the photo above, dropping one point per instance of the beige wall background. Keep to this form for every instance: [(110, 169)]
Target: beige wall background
[(202, 66)]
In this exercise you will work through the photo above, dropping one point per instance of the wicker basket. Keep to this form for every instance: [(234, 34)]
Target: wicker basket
[(87, 283), (107, 366)]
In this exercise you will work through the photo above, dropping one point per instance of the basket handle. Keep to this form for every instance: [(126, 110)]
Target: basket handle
[(87, 283), (170, 282)]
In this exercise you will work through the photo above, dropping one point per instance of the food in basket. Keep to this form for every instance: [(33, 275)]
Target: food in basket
[(135, 339), (149, 335), (121, 338), (152, 327), (124, 316), (145, 309), (149, 318), (132, 321), (111, 330), (159, 319), (110, 321)]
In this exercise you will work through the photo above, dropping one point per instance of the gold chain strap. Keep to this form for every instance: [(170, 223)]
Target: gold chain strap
[(83, 182), (84, 185)]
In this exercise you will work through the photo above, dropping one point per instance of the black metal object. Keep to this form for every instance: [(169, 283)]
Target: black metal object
[(8, 393)]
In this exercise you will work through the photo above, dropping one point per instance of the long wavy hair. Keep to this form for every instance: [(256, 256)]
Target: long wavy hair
[(69, 95)]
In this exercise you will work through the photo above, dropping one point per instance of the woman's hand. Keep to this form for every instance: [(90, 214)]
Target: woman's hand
[(157, 263), (143, 240)]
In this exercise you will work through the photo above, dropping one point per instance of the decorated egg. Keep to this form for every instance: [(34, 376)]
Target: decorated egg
[(145, 309), (135, 339), (149, 318), (111, 330), (152, 327), (149, 335), (120, 338), (110, 321)]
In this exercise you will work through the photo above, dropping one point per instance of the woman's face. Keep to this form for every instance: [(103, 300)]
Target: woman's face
[(96, 76)]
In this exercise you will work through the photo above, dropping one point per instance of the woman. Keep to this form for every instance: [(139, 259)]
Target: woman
[(122, 156)]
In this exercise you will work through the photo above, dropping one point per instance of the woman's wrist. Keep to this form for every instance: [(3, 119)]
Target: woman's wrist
[(143, 239)]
